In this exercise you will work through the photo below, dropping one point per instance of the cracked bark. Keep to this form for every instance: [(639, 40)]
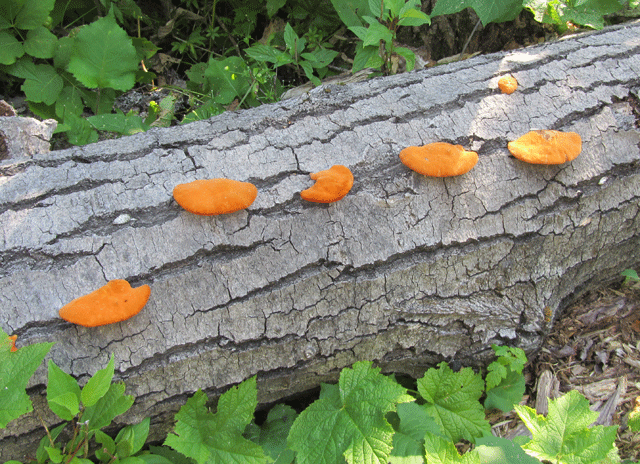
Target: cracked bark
[(405, 270)]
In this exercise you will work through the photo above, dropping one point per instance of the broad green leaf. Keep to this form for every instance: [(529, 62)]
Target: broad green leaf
[(272, 434), (170, 455), (394, 6), (273, 6), (10, 48), (41, 453), (349, 419), (16, 368), (228, 79), (269, 54), (69, 102), (351, 11), (107, 445), (120, 123), (634, 417), (439, 450), (320, 57), (205, 111), (408, 441), (408, 55), (144, 47), (136, 435), (414, 17), (291, 39), (376, 32), (43, 84), (79, 131), (587, 12), (100, 100), (495, 450), (103, 56), (217, 438), (63, 393), (113, 403), (452, 400), (507, 394), (366, 57), (489, 11), (55, 455), (98, 384), (564, 435), (63, 53), (33, 13), (40, 43)]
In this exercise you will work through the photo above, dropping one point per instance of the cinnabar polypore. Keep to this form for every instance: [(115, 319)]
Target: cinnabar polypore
[(114, 302), (12, 340), (331, 185), (215, 196), (546, 147), (439, 159), (508, 84)]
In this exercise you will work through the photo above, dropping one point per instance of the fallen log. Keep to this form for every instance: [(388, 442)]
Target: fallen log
[(405, 270)]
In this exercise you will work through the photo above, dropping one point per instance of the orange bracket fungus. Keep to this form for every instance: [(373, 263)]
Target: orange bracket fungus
[(12, 340), (439, 159), (508, 84), (215, 196), (546, 147), (331, 185), (114, 302)]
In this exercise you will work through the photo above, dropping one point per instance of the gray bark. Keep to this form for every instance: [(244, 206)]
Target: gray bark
[(405, 270)]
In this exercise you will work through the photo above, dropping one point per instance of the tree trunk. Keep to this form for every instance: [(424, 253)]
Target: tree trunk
[(405, 270)]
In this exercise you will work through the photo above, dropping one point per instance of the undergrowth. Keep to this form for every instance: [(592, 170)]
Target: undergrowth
[(72, 59), (367, 417)]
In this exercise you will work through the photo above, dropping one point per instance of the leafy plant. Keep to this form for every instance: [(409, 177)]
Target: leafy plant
[(630, 275), (489, 11), (588, 13), (505, 382), (376, 23)]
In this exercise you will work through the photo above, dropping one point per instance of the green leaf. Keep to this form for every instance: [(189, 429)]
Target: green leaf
[(33, 13), (107, 448), (100, 101), (227, 78), (507, 394), (217, 438), (98, 384), (136, 435), (413, 17), (452, 400), (144, 47), (103, 56), (564, 435), (494, 450), (10, 48), (291, 39), (634, 417), (40, 43), (41, 453), (205, 111), (408, 441), (170, 455), (120, 123), (79, 131), (55, 455), (272, 434), (63, 393), (630, 274), (586, 12), (69, 102), (16, 368), (408, 55), (351, 11), (43, 84), (62, 54), (366, 57), (489, 11), (439, 450), (269, 54), (376, 32), (113, 403), (349, 419), (320, 57), (273, 6)]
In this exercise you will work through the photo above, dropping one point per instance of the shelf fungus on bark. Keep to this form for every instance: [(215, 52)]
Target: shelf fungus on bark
[(507, 84), (215, 196), (12, 341), (114, 302), (331, 185), (439, 159), (546, 147)]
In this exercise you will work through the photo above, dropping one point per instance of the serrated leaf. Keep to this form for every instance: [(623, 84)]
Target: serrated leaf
[(564, 435), (349, 420), (63, 393), (40, 43), (170, 455), (227, 79), (506, 394), (113, 403), (452, 400), (69, 102), (366, 57), (272, 434), (439, 450), (489, 11), (43, 84), (10, 48), (495, 450), (217, 438), (104, 56), (98, 384), (408, 440), (79, 131), (587, 13), (33, 13), (120, 123), (16, 368)]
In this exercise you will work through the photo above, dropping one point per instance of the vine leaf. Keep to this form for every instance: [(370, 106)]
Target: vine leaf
[(348, 420)]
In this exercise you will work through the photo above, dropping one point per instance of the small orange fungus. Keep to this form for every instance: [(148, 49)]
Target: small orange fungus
[(215, 196), (439, 159), (508, 84), (13, 339), (546, 147), (331, 185), (114, 302)]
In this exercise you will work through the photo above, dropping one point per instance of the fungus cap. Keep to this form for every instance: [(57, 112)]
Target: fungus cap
[(331, 185), (12, 340), (114, 302), (215, 196), (546, 147), (508, 84), (439, 159)]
